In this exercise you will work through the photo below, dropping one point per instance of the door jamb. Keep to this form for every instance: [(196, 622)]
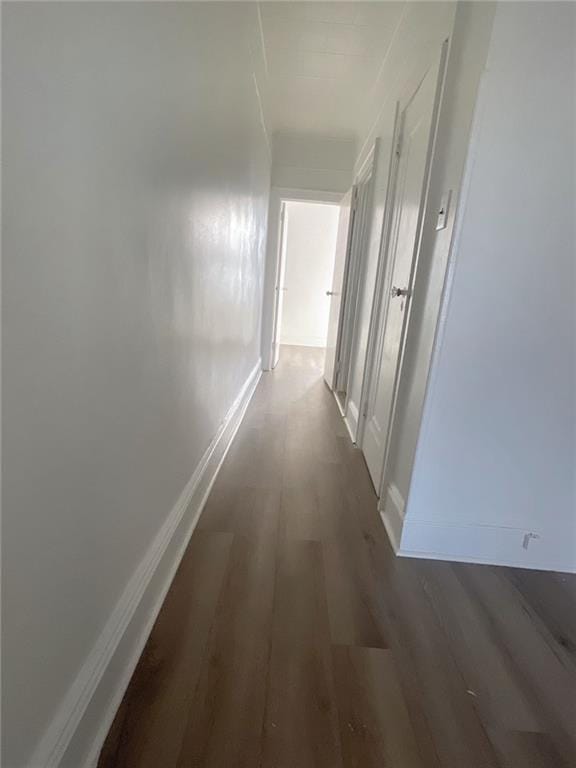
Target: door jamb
[(346, 277), (381, 284), (278, 196), (276, 319), (357, 259)]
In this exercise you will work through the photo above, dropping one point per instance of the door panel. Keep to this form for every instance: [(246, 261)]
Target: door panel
[(409, 197), (342, 244)]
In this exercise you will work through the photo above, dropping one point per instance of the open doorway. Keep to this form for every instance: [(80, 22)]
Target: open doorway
[(307, 247)]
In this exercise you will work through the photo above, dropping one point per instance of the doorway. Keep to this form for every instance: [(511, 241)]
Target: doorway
[(351, 254), (306, 252)]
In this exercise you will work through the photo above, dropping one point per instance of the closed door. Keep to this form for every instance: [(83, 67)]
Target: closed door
[(334, 292), (409, 197)]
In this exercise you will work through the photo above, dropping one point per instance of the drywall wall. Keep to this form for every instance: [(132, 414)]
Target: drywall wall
[(312, 162), (135, 192), (310, 231), (417, 42), (496, 456)]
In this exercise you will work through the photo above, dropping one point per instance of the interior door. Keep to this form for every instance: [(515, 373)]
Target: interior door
[(408, 207), (335, 292), (280, 287)]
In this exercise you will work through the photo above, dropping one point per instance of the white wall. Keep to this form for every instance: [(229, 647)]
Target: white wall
[(135, 185), (496, 456), (310, 232), (312, 162)]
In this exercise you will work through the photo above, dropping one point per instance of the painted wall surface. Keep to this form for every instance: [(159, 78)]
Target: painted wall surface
[(496, 456), (311, 231), (418, 39), (135, 190), (312, 162)]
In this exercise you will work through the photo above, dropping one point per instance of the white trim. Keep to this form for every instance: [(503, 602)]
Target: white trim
[(338, 403), (487, 544), (91, 702), (339, 369), (392, 513), (359, 243), (343, 414), (366, 168), (349, 428), (351, 419), (381, 291), (279, 195), (287, 194)]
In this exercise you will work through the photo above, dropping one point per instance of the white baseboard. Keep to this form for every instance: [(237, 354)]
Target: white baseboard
[(338, 403), (351, 419), (75, 736), (391, 508), (486, 544)]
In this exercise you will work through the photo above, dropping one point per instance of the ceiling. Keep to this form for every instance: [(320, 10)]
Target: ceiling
[(321, 61)]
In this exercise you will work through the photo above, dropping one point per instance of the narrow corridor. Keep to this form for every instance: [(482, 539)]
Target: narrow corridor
[(293, 638)]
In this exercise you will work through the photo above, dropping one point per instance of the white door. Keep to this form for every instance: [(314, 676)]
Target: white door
[(409, 197), (334, 293), (280, 288)]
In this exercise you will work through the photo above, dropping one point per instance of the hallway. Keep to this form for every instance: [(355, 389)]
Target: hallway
[(293, 638)]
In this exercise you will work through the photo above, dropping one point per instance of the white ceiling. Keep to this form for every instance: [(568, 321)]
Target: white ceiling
[(322, 59)]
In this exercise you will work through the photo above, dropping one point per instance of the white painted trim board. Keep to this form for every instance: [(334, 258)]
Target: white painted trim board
[(391, 507)]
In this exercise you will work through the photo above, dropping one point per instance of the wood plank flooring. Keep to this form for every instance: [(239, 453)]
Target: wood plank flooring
[(292, 637)]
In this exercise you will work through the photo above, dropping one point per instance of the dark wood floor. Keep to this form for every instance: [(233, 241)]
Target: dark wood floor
[(293, 638)]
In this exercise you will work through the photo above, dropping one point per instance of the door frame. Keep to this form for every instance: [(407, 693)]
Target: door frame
[(278, 197), (278, 288), (350, 226), (353, 272), (383, 278)]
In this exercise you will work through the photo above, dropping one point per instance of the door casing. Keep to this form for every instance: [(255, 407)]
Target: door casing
[(349, 313), (279, 196), (337, 288)]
